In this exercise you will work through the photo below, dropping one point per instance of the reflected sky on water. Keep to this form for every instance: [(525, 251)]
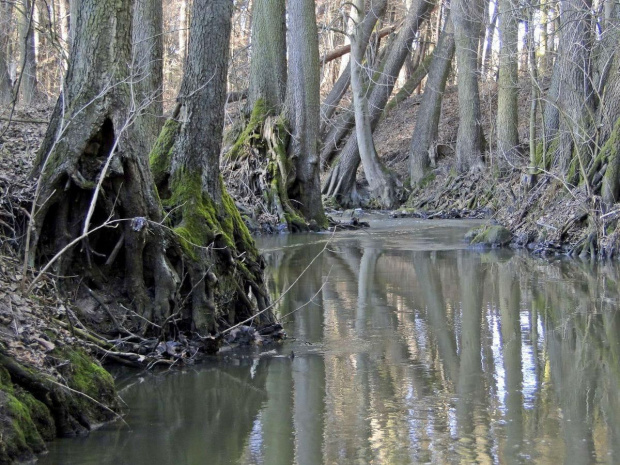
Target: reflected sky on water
[(409, 348)]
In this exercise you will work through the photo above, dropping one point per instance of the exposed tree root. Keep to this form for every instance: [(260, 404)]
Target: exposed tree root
[(258, 170)]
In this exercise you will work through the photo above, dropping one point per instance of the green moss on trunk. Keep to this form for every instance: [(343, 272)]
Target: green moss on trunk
[(252, 131), (202, 221), (161, 153)]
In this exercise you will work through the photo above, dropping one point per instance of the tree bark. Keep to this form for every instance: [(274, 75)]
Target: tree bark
[(340, 127), (91, 119), (488, 49), (507, 94), (268, 59), (6, 87), (469, 141), (340, 183), (147, 70), (609, 108), (303, 110), (575, 100), (28, 84), (383, 185), (329, 105), (208, 216), (427, 120)]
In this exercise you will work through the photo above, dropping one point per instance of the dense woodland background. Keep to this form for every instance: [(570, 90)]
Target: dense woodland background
[(562, 52), (176, 128)]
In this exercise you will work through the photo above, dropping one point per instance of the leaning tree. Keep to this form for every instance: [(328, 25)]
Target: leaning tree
[(424, 140), (340, 184), (181, 250)]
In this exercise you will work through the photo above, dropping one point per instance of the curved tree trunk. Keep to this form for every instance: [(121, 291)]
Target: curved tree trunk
[(340, 184), (344, 122), (268, 59), (469, 141), (427, 119), (303, 111), (147, 69), (383, 184), (330, 104), (507, 94)]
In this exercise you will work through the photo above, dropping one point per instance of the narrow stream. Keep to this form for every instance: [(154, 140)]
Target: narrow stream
[(408, 348)]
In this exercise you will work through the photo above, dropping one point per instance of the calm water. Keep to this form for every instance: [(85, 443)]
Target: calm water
[(409, 348)]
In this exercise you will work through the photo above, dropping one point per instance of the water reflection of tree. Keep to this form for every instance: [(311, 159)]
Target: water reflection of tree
[(481, 357)]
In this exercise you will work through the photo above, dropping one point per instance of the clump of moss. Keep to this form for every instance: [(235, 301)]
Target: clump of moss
[(87, 377), (492, 235), (25, 423)]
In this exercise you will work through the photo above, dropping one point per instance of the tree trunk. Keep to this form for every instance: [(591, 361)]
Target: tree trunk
[(91, 119), (204, 237), (268, 60), (208, 216), (340, 184), (28, 84), (487, 62), (147, 70), (609, 111), (340, 127), (427, 120), (413, 82), (575, 90), (507, 94), (535, 97), (329, 105), (382, 184), (303, 111), (182, 47), (469, 142), (63, 22), (6, 87)]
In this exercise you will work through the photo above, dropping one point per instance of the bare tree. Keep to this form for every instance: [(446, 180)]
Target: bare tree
[(148, 70), (303, 111), (507, 94), (340, 183), (28, 79), (425, 134), (268, 59), (93, 169), (383, 185), (469, 143), (6, 88)]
